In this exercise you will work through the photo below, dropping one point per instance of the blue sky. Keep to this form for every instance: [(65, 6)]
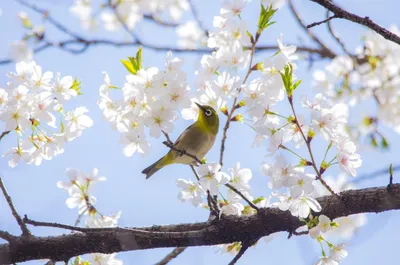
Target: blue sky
[(147, 202)]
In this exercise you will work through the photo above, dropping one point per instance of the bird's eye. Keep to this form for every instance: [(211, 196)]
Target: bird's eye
[(208, 112)]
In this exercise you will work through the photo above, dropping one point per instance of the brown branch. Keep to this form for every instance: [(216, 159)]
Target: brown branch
[(233, 108), (84, 43), (374, 174), (197, 17), (308, 31), (242, 250), (158, 21), (336, 37), (321, 22), (4, 134), (252, 205), (171, 256), (7, 236), (365, 21), (227, 230), (22, 225)]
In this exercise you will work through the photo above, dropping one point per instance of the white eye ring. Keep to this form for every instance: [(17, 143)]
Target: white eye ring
[(208, 113)]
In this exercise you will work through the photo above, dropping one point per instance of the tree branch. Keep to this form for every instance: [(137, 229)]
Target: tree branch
[(366, 21), (227, 230), (321, 22), (4, 134), (308, 31), (171, 256), (22, 225)]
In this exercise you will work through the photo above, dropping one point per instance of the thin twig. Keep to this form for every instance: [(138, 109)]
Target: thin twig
[(182, 152), (379, 172), (195, 173), (4, 134), (171, 256), (139, 232), (50, 19), (242, 250), (297, 233), (160, 22), (305, 28), (233, 108), (22, 225), (197, 17), (321, 22), (308, 144), (366, 21), (336, 37), (252, 205)]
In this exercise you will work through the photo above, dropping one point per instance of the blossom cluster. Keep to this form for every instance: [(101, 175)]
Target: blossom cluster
[(80, 187), (33, 107), (211, 178), (151, 98), (373, 74), (113, 13)]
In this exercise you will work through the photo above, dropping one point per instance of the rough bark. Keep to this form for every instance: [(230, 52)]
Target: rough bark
[(227, 230)]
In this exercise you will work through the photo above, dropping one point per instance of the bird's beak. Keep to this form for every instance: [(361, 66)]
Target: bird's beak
[(200, 106)]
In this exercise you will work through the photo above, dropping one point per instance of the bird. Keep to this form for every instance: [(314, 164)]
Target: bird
[(197, 140)]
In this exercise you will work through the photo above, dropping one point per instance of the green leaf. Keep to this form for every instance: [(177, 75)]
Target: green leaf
[(264, 21), (134, 64), (128, 65), (295, 85), (259, 199), (391, 169), (139, 58), (76, 85), (384, 143)]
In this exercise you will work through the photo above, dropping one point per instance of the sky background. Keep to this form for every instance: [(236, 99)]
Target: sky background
[(147, 202)]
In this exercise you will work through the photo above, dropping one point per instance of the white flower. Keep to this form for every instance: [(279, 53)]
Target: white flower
[(190, 35), (338, 253), (62, 88), (300, 184), (93, 221), (15, 117), (77, 122), (75, 180), (81, 199), (190, 192), (226, 85), (326, 261), (19, 51), (301, 206), (287, 50), (40, 79), (240, 178), (347, 158), (211, 178), (134, 141), (104, 259), (160, 119), (3, 97), (232, 207)]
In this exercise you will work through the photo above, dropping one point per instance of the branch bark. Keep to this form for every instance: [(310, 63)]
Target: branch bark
[(227, 230), (366, 21)]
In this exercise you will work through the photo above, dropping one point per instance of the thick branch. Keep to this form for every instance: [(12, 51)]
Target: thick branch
[(366, 21), (227, 230)]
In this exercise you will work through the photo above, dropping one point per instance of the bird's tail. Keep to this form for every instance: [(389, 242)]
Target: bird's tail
[(159, 164)]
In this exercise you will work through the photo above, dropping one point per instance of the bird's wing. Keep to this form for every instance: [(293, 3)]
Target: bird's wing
[(183, 135)]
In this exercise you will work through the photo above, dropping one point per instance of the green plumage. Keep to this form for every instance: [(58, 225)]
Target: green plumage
[(197, 139)]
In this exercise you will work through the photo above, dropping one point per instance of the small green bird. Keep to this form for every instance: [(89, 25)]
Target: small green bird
[(197, 139)]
